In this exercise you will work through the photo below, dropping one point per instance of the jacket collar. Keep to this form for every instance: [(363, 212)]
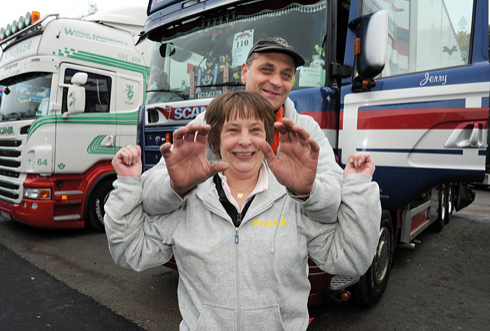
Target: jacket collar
[(208, 194)]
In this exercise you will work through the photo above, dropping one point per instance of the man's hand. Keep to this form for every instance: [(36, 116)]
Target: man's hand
[(361, 162), (295, 166), (127, 161), (186, 162)]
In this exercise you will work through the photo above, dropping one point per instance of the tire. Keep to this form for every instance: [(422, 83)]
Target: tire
[(96, 204), (372, 284), (443, 213)]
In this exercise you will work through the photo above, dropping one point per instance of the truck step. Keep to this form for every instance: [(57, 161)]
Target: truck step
[(339, 282)]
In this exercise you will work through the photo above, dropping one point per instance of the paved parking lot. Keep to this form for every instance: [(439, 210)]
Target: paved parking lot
[(64, 280)]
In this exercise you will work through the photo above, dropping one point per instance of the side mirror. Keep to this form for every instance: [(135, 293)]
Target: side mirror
[(371, 47), (80, 78), (76, 95), (175, 53)]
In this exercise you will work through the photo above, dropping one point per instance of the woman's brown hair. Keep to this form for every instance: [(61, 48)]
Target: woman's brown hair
[(240, 104)]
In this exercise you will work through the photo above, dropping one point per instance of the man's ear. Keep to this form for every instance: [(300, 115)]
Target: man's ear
[(244, 73)]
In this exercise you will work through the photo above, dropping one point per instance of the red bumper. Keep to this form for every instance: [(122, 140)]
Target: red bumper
[(37, 213)]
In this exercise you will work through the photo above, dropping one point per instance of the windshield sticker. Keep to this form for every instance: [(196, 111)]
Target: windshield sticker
[(311, 77), (43, 107), (242, 43)]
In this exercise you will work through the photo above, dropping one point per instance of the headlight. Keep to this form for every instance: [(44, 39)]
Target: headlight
[(37, 193)]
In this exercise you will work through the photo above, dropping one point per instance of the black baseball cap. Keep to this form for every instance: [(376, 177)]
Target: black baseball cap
[(276, 45)]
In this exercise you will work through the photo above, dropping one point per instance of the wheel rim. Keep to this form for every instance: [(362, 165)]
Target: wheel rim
[(99, 208), (450, 200), (382, 256), (443, 204)]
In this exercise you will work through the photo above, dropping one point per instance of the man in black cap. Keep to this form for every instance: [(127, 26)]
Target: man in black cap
[(269, 71)]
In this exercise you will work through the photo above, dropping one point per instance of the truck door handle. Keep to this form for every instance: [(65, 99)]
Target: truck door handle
[(108, 141), (462, 137)]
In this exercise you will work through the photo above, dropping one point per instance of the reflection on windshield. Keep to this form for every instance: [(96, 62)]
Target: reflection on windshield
[(25, 96), (203, 58)]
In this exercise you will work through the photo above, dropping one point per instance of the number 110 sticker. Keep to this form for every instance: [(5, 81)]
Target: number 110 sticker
[(242, 43)]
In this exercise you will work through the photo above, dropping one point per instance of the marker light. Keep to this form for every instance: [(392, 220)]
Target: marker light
[(8, 30), (21, 23), (14, 27), (36, 16), (28, 20)]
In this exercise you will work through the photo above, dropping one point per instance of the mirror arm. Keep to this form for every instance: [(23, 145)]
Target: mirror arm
[(360, 84), (339, 70)]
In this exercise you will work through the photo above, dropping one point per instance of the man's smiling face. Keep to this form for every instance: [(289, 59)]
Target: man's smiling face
[(271, 75)]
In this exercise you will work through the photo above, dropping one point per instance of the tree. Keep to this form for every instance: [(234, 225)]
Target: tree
[(92, 9)]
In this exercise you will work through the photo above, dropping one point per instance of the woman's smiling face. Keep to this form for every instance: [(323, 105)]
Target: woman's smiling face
[(243, 157)]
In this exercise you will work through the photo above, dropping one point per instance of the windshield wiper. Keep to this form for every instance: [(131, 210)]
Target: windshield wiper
[(15, 115), (173, 92)]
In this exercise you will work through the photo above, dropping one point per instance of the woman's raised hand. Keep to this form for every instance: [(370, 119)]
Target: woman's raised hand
[(295, 166), (127, 161), (187, 164)]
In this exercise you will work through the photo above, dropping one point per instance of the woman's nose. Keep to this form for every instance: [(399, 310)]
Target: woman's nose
[(245, 140)]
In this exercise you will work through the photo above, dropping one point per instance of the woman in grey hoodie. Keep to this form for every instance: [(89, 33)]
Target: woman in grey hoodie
[(241, 229)]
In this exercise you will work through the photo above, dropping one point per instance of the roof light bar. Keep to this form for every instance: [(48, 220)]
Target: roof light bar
[(20, 24)]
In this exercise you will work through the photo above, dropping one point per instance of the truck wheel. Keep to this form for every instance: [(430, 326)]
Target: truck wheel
[(443, 213), (372, 284), (450, 202), (96, 204)]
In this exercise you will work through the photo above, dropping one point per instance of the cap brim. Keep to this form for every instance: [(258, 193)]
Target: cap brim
[(298, 59)]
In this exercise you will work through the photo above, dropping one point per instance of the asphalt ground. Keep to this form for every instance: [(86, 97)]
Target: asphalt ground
[(31, 299)]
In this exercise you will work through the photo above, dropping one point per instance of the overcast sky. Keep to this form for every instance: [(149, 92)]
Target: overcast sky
[(66, 8)]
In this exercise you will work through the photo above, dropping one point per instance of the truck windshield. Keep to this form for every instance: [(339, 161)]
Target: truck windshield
[(201, 57), (25, 96)]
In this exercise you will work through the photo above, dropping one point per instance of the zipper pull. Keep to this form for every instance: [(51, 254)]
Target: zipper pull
[(238, 219), (236, 236)]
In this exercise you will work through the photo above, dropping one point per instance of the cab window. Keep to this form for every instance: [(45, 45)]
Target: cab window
[(425, 35), (97, 92)]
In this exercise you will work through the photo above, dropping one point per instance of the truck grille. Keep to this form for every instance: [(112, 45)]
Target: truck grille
[(8, 190), (9, 163), (10, 143)]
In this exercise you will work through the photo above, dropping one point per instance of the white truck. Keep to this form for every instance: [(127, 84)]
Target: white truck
[(71, 93)]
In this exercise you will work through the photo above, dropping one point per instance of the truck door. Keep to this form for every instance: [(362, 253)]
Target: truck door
[(84, 139), (425, 121)]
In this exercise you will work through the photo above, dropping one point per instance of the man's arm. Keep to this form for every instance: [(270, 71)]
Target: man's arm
[(136, 241), (347, 247), (326, 196), (157, 195)]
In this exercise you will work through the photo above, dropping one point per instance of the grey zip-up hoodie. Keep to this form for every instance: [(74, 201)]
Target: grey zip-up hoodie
[(328, 181), (253, 277)]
